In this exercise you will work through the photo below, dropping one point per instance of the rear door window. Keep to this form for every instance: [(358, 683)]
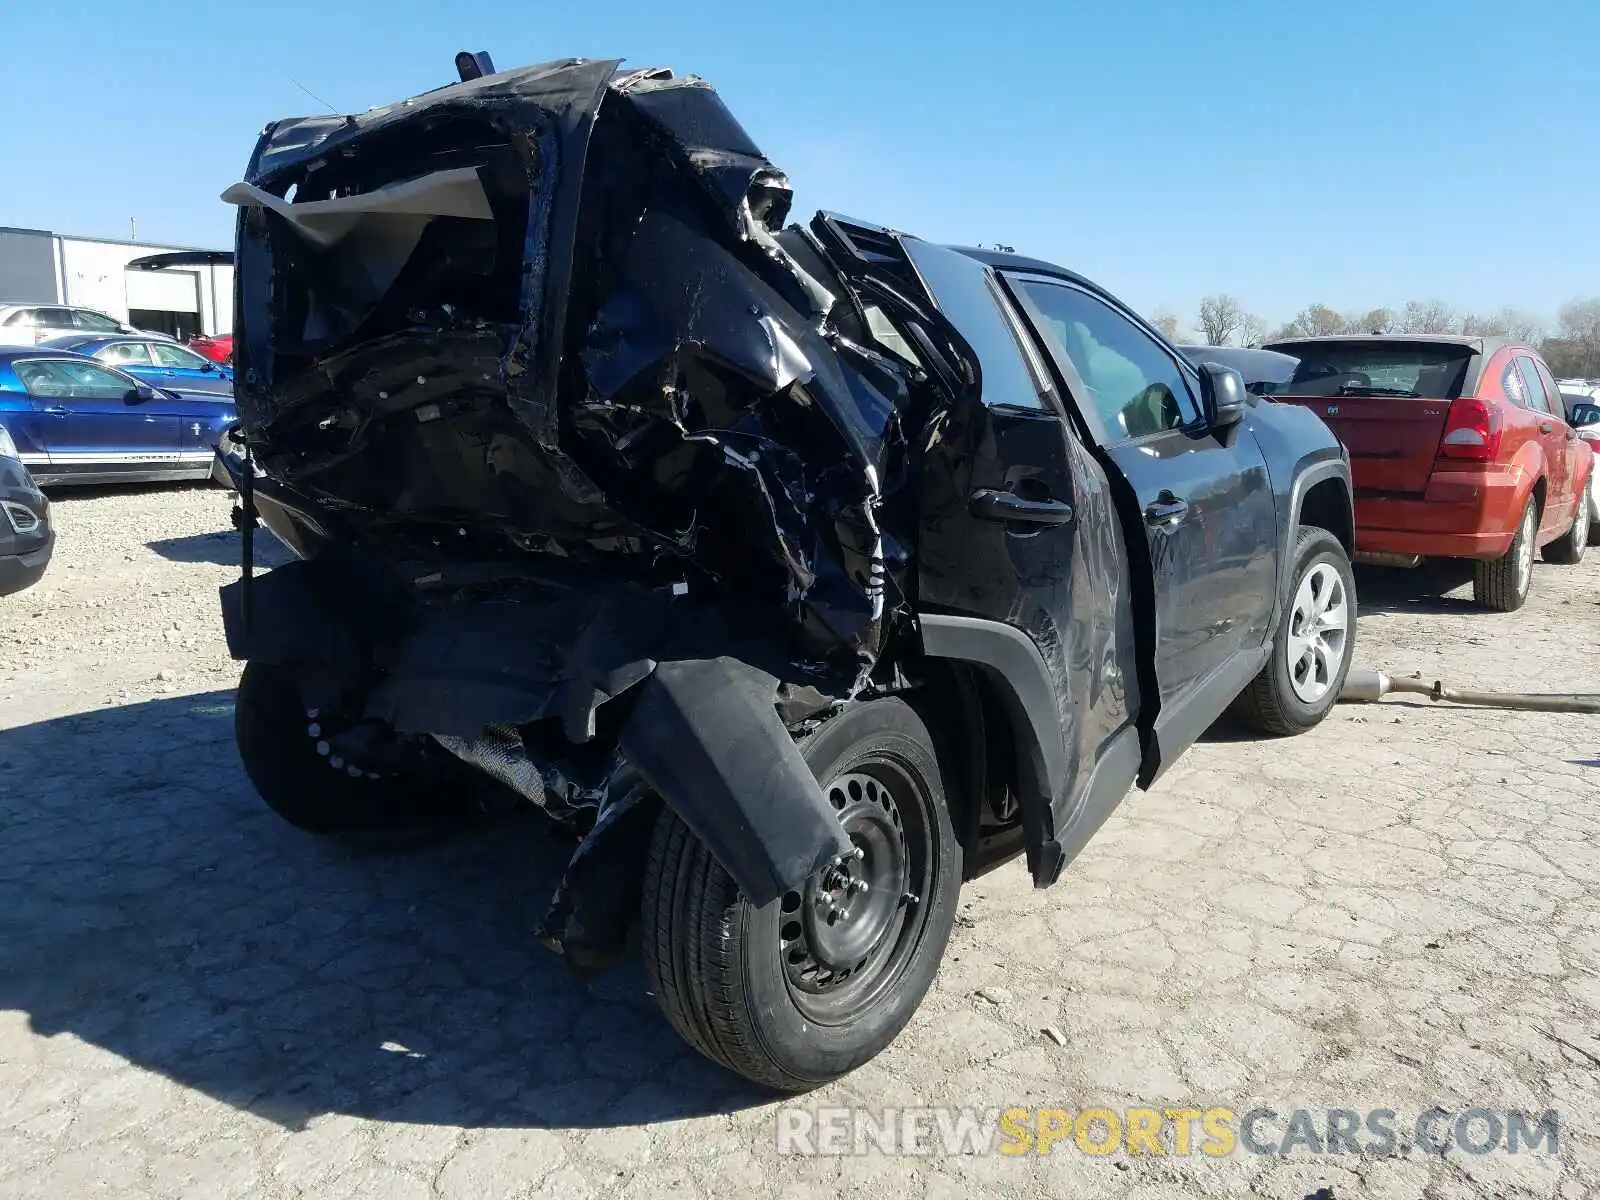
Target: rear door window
[(1552, 393), (1134, 384), (1533, 386)]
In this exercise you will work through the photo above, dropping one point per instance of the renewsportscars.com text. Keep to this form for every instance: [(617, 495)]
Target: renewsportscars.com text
[(1216, 1131)]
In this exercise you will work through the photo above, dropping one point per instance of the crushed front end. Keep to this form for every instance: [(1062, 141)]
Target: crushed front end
[(598, 476)]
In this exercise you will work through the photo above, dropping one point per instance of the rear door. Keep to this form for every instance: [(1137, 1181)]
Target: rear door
[(1208, 520), (1017, 529), (1553, 437), (94, 426), (1569, 436)]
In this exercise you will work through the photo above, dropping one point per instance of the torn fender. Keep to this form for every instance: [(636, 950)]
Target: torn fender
[(706, 735)]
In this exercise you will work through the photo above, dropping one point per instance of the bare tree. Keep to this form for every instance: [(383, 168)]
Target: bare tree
[(1318, 320), (1166, 321), (1219, 318), (1428, 316), (1580, 329), (1252, 329), (1376, 320), (1522, 326)]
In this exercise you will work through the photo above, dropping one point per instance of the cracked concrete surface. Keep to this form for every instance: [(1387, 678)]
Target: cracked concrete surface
[(1398, 910)]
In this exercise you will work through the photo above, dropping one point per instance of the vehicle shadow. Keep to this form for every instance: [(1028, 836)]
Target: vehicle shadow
[(68, 494), (223, 548), (150, 905), (1422, 589)]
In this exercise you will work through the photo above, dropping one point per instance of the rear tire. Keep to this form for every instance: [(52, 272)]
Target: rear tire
[(271, 729), (1568, 549), (1502, 584), (770, 992), (1312, 646)]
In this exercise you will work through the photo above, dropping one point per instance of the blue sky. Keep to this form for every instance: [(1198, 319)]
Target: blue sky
[(1353, 153)]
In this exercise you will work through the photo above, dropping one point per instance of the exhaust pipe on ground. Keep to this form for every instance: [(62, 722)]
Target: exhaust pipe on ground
[(1364, 685)]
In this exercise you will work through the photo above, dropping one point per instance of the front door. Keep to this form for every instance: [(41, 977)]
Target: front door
[(180, 368), (1017, 529), (1203, 500), (94, 425)]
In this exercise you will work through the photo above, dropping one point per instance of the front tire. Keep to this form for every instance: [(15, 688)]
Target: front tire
[(1312, 646), (272, 731), (1502, 584), (1568, 549), (808, 987)]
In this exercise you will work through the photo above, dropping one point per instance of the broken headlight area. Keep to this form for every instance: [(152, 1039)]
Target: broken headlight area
[(598, 472)]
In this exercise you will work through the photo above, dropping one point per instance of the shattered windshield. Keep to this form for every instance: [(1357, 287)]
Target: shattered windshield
[(1402, 369)]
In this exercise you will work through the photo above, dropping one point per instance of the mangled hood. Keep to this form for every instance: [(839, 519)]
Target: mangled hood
[(552, 312)]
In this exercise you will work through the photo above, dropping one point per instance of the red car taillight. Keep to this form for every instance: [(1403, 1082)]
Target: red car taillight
[(1471, 430)]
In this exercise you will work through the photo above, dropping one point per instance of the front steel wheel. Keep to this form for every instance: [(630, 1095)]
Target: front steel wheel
[(806, 988)]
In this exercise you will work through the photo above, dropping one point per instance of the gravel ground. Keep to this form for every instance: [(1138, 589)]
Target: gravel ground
[(1398, 910)]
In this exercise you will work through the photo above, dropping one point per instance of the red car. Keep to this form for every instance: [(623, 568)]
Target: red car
[(1459, 448), (218, 349)]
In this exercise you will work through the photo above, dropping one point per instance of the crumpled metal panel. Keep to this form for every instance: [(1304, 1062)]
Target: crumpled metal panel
[(670, 379)]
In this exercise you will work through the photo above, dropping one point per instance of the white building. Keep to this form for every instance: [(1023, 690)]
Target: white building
[(55, 268)]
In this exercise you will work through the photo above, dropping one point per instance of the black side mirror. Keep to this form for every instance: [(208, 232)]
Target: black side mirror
[(138, 395), (209, 367), (1223, 394)]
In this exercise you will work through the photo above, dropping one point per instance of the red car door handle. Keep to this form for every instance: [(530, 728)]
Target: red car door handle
[(993, 505)]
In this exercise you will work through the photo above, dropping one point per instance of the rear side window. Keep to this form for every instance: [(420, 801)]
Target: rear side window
[(93, 321), (1356, 368), (119, 353), (965, 292), (176, 356), (53, 318), (23, 317)]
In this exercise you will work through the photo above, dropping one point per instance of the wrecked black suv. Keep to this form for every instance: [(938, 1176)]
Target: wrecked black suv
[(803, 572)]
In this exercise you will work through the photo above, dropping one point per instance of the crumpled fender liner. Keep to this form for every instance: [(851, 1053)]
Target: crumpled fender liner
[(704, 733)]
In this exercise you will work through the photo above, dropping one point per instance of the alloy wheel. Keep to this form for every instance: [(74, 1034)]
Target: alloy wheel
[(1525, 551), (1319, 625)]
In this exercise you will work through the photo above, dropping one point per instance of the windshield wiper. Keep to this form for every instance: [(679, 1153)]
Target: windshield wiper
[(1356, 389)]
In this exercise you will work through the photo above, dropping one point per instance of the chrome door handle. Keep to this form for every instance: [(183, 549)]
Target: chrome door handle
[(1546, 427)]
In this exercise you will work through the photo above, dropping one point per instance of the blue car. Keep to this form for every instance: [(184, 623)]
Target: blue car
[(159, 361), (77, 421)]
